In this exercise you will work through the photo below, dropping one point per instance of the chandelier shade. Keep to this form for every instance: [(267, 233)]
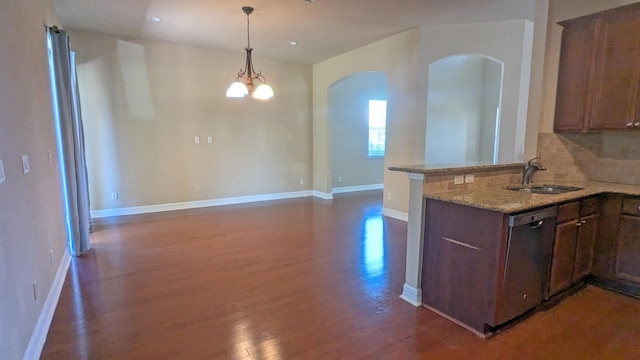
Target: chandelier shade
[(237, 90), (244, 84)]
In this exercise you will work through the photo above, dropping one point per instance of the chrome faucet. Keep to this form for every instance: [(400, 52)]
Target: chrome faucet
[(530, 168)]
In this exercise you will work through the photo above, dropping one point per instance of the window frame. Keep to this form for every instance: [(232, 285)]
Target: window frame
[(379, 130)]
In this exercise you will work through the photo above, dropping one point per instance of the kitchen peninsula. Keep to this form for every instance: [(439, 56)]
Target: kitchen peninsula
[(461, 258)]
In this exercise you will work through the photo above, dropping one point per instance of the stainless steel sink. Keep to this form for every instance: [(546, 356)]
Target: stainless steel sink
[(544, 189)]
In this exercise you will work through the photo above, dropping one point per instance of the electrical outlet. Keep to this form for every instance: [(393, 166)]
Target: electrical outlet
[(469, 179), (114, 196), (301, 181), (198, 189), (196, 139), (51, 257), (35, 291), (339, 179), (25, 164), (50, 157), (458, 180), (3, 177), (210, 139), (388, 196)]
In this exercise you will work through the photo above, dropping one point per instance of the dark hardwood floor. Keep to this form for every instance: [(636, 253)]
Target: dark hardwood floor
[(294, 279)]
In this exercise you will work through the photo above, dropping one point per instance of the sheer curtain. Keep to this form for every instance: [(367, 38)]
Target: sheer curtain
[(70, 140)]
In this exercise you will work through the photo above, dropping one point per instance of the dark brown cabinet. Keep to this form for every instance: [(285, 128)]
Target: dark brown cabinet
[(617, 251), (616, 74), (573, 78), (587, 235), (564, 247), (462, 260), (599, 73), (628, 254), (576, 233)]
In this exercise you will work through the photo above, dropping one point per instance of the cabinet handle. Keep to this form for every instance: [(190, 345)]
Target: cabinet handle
[(629, 124), (636, 124), (583, 222), (639, 209), (579, 223)]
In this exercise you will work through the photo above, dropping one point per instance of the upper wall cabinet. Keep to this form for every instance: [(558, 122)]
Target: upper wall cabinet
[(599, 74)]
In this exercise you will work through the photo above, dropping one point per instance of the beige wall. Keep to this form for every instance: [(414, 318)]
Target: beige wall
[(143, 103), (31, 219)]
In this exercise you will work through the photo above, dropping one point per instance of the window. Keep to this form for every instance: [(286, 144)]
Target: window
[(377, 127)]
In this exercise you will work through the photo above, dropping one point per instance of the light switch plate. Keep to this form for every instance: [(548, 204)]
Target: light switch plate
[(458, 180), (3, 177), (210, 139), (196, 139), (25, 164)]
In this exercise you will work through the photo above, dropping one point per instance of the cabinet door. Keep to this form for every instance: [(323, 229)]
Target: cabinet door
[(587, 233), (614, 85), (628, 259), (606, 248), (575, 61), (564, 256)]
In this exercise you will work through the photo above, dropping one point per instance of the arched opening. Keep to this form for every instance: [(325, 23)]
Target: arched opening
[(357, 131), (463, 111)]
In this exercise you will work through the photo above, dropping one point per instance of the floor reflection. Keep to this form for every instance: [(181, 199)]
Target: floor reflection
[(373, 242), (78, 311), (374, 265), (245, 345)]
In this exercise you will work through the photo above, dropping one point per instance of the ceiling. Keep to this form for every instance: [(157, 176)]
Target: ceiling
[(322, 28)]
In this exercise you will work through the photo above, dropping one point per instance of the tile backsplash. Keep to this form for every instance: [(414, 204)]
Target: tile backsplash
[(610, 157), (484, 178)]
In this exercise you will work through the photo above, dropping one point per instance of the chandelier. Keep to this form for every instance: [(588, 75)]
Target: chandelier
[(244, 84)]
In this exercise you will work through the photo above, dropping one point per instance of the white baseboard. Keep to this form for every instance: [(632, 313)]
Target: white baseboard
[(198, 204), (411, 295), (347, 189), (395, 214), (39, 335), (322, 195)]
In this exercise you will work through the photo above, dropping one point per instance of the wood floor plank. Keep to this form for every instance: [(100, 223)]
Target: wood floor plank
[(291, 279)]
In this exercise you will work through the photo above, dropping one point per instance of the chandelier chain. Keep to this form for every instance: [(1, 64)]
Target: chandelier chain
[(248, 42)]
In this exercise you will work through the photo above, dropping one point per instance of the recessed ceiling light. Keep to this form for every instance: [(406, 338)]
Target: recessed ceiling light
[(293, 43), (153, 18)]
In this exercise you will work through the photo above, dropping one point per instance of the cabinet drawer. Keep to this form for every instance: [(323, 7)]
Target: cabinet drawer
[(590, 206), (568, 212), (631, 206)]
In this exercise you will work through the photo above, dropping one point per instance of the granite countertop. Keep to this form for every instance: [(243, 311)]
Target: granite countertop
[(453, 168), (498, 198)]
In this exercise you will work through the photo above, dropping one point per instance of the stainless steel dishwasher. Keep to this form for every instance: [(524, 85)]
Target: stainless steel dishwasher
[(527, 262)]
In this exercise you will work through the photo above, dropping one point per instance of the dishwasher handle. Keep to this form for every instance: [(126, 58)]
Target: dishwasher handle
[(532, 216), (536, 224)]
